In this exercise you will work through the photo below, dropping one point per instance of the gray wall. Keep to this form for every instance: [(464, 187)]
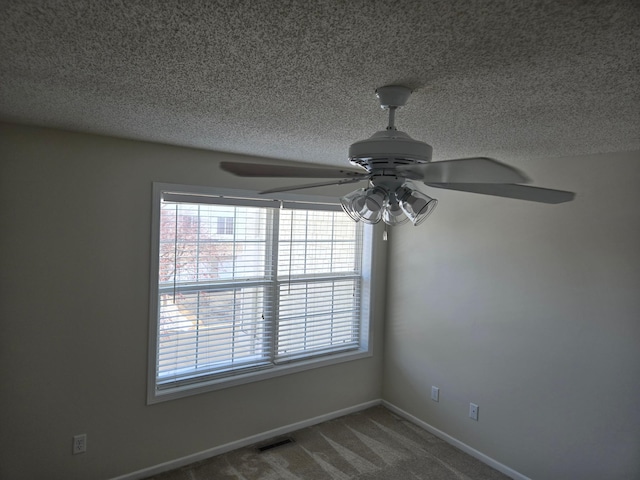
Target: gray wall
[(74, 250), (532, 312)]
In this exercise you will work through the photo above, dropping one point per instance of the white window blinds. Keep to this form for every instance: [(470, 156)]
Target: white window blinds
[(245, 285)]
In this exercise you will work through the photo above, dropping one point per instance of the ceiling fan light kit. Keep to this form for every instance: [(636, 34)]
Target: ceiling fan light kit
[(391, 159), (370, 205)]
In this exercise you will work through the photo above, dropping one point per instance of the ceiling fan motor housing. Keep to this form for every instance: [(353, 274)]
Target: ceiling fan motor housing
[(388, 149)]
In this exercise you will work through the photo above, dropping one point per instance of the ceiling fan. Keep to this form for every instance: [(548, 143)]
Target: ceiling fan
[(390, 161)]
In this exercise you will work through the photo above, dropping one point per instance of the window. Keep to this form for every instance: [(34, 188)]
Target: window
[(246, 287)]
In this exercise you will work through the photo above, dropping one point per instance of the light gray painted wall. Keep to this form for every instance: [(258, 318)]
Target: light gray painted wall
[(74, 250), (532, 312)]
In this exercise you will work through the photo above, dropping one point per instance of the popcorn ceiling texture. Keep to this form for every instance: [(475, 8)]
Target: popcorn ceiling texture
[(295, 79)]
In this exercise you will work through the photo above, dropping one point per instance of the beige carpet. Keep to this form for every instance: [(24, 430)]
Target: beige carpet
[(373, 444)]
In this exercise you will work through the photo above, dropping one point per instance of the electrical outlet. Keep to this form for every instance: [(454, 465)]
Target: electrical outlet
[(79, 443), (435, 394), (473, 411)]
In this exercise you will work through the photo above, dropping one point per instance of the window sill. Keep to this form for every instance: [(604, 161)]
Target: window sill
[(255, 376)]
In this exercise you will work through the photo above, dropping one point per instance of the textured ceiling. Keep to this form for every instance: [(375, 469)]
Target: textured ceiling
[(296, 79)]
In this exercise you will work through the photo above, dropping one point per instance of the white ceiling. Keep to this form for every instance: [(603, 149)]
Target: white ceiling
[(295, 79)]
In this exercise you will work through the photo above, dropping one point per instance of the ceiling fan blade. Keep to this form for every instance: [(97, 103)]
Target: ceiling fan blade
[(522, 192), (312, 185), (261, 170), (466, 170)]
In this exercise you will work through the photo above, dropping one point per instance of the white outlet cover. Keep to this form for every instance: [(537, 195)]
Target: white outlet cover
[(473, 411), (435, 394), (79, 443)]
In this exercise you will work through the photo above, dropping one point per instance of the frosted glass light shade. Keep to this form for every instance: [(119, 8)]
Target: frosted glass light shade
[(415, 204), (365, 205), (369, 207), (392, 213), (347, 201)]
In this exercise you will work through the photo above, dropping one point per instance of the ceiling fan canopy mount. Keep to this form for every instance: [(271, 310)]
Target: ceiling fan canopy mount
[(391, 147), (393, 96), (390, 160)]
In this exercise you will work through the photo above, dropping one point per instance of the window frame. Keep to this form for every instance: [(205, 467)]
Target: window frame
[(364, 349)]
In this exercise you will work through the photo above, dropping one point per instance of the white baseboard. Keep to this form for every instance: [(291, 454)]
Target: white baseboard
[(260, 437), (456, 443)]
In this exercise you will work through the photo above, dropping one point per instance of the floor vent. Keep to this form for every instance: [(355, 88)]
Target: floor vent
[(279, 442)]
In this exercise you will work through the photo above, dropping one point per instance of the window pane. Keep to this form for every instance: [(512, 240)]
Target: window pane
[(205, 329), (318, 316), (193, 248), (314, 242), (211, 329)]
